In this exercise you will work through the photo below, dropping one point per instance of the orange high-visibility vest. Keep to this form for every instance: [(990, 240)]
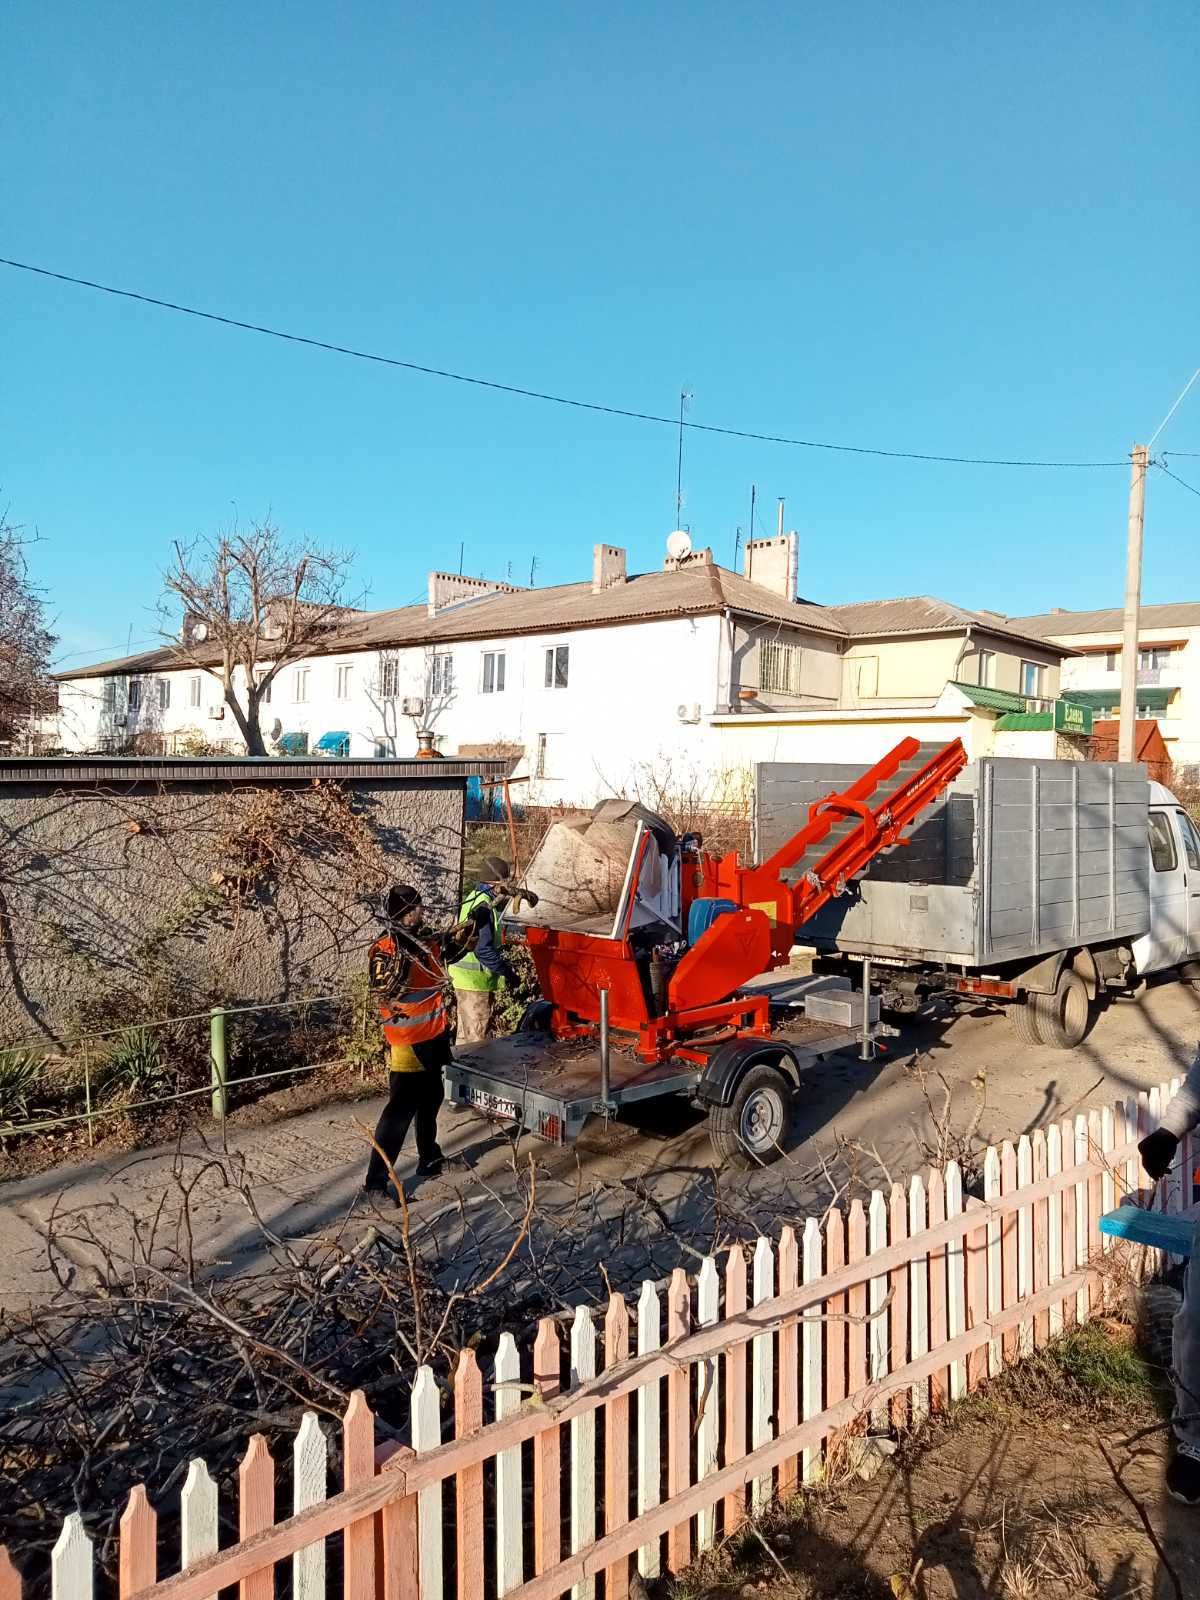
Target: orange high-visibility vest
[(416, 1011)]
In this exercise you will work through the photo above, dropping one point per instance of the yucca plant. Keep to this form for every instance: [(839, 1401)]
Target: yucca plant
[(20, 1074), (134, 1068)]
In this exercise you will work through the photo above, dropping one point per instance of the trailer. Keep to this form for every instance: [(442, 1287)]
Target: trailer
[(658, 965), (1029, 884)]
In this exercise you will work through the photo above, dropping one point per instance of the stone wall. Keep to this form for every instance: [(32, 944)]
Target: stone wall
[(141, 899)]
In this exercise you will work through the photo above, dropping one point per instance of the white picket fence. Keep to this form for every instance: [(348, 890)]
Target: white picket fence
[(748, 1377)]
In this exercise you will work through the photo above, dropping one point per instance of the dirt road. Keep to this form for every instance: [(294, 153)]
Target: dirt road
[(631, 1200)]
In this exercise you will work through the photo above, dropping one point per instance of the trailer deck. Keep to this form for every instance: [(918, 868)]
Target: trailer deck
[(550, 1087)]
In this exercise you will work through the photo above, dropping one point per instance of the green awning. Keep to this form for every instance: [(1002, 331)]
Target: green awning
[(294, 744), (1108, 700), (1025, 722), (992, 699)]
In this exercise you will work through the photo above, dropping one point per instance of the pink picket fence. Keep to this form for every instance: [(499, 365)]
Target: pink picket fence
[(638, 1436)]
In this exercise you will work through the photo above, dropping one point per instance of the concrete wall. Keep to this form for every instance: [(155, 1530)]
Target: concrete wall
[(114, 895), (820, 664)]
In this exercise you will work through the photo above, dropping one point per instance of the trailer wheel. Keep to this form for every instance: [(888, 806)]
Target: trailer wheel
[(1190, 973), (749, 1131), (1024, 1023), (1064, 1017)]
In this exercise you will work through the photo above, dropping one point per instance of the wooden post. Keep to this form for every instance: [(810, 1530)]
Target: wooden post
[(583, 1449), (616, 1446), (256, 1512), (735, 1386), (789, 1360), (899, 1280), (547, 1515), (310, 1470), (939, 1321), (510, 1563), (762, 1370), (649, 1413), (812, 1353), (138, 1561), (468, 1419), (427, 1435), (679, 1418), (708, 1433), (358, 1466)]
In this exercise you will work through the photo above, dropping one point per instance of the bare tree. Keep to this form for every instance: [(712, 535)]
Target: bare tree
[(252, 603), (26, 690)]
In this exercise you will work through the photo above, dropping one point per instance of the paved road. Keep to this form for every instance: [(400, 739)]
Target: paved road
[(629, 1200)]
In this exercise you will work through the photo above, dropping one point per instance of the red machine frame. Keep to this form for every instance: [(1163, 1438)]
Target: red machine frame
[(701, 993)]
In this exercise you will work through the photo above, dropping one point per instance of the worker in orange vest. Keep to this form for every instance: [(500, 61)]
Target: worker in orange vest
[(407, 972)]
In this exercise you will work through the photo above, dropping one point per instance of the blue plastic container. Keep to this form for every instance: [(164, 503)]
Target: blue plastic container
[(703, 913), (1153, 1228)]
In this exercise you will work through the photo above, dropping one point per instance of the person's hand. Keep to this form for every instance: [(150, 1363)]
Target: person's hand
[(1158, 1151)]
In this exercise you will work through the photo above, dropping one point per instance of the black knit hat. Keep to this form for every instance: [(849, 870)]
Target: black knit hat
[(401, 897)]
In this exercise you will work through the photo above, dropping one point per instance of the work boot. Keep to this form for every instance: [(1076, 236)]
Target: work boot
[(432, 1166), (1183, 1479)]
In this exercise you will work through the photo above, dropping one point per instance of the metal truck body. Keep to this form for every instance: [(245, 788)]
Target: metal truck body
[(1023, 870)]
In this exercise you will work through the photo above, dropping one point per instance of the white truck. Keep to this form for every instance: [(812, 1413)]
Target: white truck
[(1040, 886)]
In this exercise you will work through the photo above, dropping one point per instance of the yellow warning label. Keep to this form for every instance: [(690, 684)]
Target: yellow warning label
[(768, 909)]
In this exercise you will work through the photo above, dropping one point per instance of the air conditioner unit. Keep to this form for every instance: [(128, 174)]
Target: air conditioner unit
[(412, 706), (216, 713), (687, 713)]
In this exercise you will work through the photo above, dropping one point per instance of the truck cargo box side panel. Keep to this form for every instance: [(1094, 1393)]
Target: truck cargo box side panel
[(1063, 857), (1019, 859)]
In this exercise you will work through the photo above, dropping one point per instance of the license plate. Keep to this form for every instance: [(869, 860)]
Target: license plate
[(492, 1104)]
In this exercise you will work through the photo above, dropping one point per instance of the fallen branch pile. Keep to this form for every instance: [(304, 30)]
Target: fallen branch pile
[(141, 1361)]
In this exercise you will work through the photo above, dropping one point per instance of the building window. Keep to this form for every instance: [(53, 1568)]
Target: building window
[(383, 749), (1152, 659), (345, 680), (1111, 657), (440, 676), (193, 691), (164, 694), (1191, 840), (300, 689), (135, 694), (539, 770), (557, 665), (263, 681), (389, 677), (987, 669), (493, 672), (779, 667), (1033, 676)]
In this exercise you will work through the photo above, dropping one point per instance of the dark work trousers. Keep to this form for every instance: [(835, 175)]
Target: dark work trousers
[(412, 1096)]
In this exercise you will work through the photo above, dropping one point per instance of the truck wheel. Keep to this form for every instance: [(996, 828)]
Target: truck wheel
[(749, 1131), (1064, 1017), (1190, 973), (1024, 1022)]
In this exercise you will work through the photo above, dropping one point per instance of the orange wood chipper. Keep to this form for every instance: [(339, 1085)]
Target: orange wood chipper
[(644, 944)]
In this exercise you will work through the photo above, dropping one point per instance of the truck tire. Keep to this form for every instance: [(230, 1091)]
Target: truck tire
[(1064, 1017), (1190, 973), (749, 1131), (1024, 1022)]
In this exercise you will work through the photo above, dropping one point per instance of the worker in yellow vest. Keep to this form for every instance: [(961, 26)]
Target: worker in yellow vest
[(409, 981), (483, 970)]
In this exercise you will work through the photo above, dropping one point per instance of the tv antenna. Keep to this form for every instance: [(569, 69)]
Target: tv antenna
[(532, 569), (685, 395)]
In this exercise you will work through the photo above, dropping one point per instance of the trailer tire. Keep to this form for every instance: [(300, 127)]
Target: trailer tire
[(749, 1131), (1064, 1017), (1024, 1021), (1190, 973)]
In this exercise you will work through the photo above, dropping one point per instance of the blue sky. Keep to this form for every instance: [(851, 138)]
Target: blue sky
[(940, 228)]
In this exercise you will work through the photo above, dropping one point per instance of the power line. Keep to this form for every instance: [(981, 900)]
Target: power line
[(537, 394), (1190, 487)]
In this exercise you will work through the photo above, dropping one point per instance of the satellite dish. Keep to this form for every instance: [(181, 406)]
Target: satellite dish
[(276, 731), (199, 631), (679, 544)]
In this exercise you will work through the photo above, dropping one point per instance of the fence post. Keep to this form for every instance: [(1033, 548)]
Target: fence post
[(220, 1091)]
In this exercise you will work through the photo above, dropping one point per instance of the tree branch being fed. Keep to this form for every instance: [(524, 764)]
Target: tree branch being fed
[(252, 602)]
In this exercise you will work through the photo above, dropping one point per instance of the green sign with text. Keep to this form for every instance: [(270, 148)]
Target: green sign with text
[(1071, 718)]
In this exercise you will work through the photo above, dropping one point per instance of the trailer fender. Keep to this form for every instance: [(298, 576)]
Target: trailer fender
[(1042, 977), (730, 1062)]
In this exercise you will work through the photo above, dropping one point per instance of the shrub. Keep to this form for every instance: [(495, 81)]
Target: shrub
[(20, 1077)]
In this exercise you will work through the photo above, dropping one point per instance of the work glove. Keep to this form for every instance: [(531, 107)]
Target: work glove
[(1158, 1151)]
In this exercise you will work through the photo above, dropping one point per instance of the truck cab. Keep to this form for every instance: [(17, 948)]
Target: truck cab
[(1173, 937)]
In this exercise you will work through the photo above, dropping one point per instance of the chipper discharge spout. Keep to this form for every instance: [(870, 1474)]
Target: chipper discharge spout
[(673, 933)]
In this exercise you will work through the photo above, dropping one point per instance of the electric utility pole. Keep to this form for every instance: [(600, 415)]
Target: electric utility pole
[(1126, 735)]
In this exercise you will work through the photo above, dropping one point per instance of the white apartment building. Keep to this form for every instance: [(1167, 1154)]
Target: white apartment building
[(1168, 673), (613, 685)]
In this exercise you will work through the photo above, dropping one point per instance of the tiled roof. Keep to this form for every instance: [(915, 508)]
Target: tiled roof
[(1050, 624), (923, 613), (691, 591)]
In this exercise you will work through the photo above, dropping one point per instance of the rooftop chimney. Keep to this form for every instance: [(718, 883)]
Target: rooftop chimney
[(774, 563), (608, 567), (451, 588)]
